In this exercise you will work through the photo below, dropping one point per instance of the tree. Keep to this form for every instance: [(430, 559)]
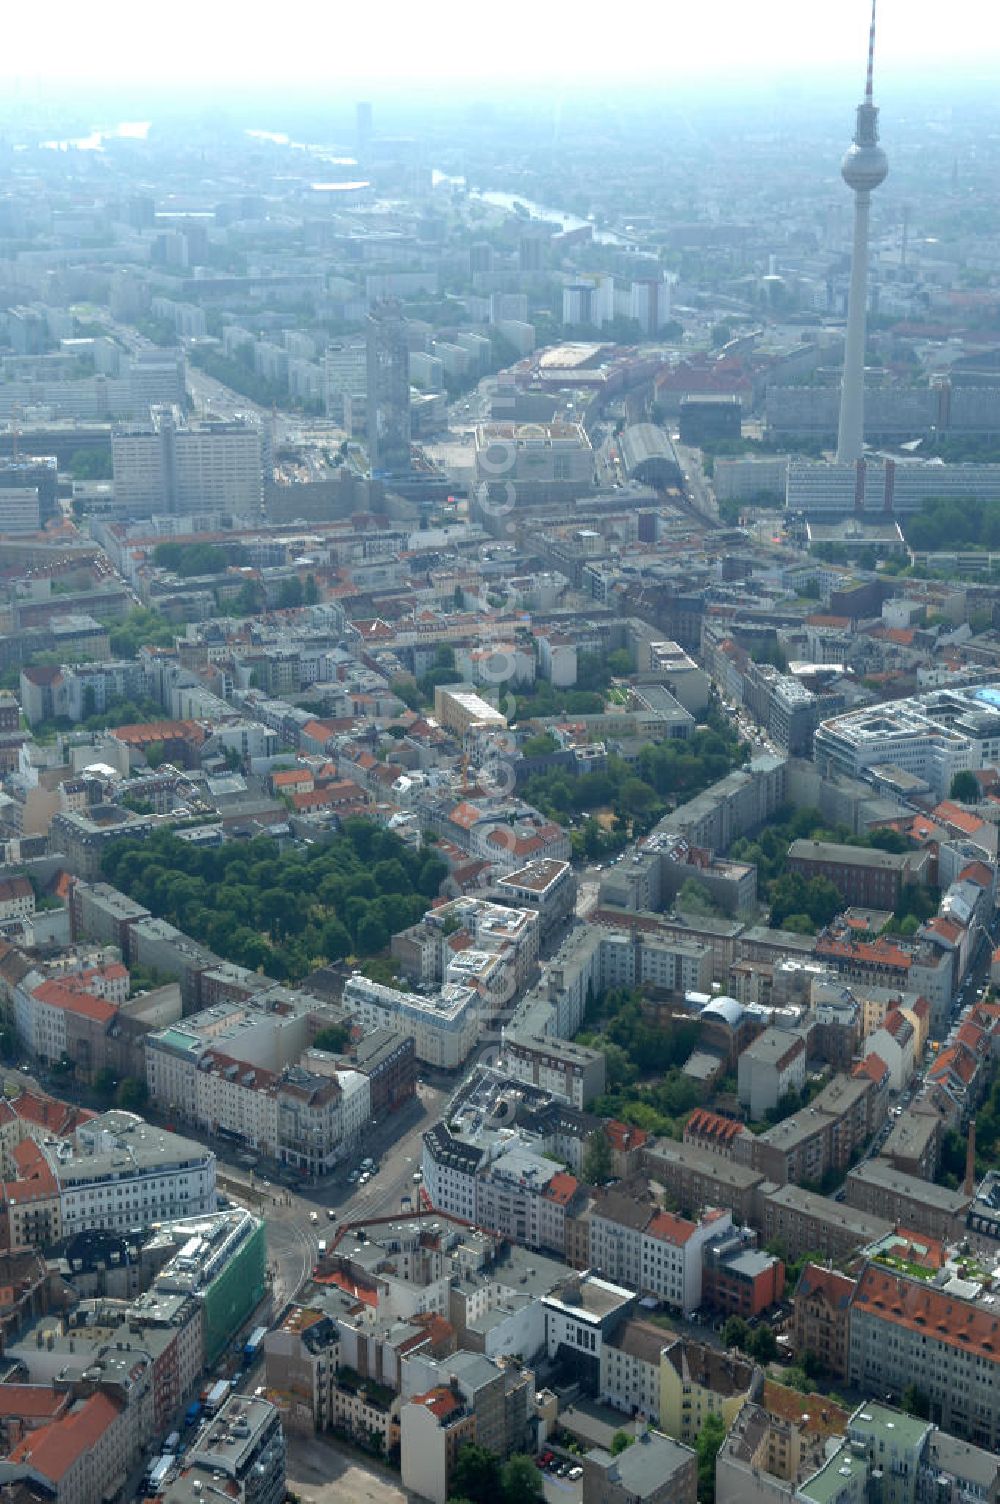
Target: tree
[(694, 898), (372, 934), (620, 1442), (333, 1038), (104, 1083), (597, 1161), (520, 1480), (132, 1095), (763, 1345), (710, 1439), (736, 1333), (915, 1402), (476, 1474), (964, 787), (155, 754)]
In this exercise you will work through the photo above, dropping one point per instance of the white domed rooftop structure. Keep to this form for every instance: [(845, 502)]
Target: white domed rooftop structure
[(726, 1008)]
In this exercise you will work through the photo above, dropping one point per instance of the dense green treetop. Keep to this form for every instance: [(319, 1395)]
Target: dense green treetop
[(284, 913)]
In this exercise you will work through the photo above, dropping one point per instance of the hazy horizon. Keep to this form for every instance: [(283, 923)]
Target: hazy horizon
[(783, 44)]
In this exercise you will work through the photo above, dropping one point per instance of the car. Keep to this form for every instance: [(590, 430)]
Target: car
[(354, 1177), (417, 1177), (364, 1179), (330, 1214), (574, 1473), (314, 1218)]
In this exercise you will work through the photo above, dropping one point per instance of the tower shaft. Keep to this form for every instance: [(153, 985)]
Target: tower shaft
[(863, 169), (851, 429)]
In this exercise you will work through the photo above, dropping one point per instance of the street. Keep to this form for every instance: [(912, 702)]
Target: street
[(292, 1237)]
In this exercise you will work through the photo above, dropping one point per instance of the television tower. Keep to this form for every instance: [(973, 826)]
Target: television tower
[(863, 169)]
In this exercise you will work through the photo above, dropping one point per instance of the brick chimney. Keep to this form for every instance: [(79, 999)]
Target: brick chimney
[(970, 1161)]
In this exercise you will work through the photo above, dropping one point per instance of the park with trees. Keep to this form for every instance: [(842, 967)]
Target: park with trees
[(646, 1086), (283, 913), (805, 905)]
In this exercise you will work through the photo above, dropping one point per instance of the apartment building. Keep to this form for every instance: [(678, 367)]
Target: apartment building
[(914, 1144), (770, 1068), (83, 1457), (697, 1381), (658, 1253), (656, 1470), (630, 1368), (445, 1025), (876, 1186), (739, 1279), (695, 1177), (169, 465), (434, 1426), (546, 887), (904, 1332), (821, 1319), (869, 878), (806, 1223), (243, 1447), (570, 1071), (820, 1138), (121, 1172)]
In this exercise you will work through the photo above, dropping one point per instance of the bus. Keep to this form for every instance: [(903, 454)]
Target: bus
[(254, 1343)]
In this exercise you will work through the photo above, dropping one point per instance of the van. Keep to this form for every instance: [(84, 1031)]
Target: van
[(172, 1442)]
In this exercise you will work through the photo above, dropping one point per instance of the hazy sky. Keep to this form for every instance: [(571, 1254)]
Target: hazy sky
[(190, 41)]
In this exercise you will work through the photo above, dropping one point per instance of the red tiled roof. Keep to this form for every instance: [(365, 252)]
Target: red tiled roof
[(879, 952), (58, 1117), (52, 1450), (836, 1288), (670, 1228), (365, 1294), (440, 1402), (896, 1023), (957, 1061), (953, 814), (920, 1308), (160, 731), (815, 1414), (319, 731), (291, 778), (707, 1124), (31, 1401), (872, 1066), (562, 1187), (946, 928), (973, 1037), (622, 1136)]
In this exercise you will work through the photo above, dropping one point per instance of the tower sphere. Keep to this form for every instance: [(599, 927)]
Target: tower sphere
[(864, 167)]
